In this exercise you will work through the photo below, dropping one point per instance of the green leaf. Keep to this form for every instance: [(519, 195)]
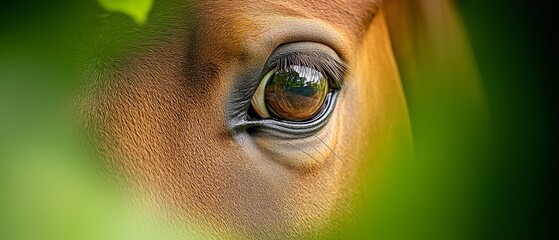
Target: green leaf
[(137, 9)]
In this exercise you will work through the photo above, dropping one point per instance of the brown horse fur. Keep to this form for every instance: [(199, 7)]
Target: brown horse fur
[(159, 114)]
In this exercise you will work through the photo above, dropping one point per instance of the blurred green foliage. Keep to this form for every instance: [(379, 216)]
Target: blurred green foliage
[(137, 9), (481, 168)]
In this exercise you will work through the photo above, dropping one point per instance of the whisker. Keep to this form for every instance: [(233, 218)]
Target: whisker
[(331, 150), (348, 205), (354, 212), (304, 153), (315, 149)]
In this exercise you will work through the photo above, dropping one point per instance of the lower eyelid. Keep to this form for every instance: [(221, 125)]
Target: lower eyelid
[(288, 129)]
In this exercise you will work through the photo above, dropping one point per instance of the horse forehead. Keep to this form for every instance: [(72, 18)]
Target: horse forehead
[(353, 16), (224, 30), (217, 33)]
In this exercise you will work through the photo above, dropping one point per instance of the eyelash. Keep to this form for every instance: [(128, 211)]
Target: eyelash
[(334, 69)]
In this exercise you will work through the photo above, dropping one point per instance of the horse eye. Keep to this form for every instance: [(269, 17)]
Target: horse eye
[(293, 93)]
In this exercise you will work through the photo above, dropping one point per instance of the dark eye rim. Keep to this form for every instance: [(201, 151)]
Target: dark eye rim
[(287, 129), (239, 103), (291, 129)]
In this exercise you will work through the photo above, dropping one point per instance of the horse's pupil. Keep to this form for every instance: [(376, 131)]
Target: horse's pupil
[(296, 93)]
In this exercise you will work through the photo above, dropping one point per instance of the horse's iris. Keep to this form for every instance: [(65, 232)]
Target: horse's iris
[(294, 93)]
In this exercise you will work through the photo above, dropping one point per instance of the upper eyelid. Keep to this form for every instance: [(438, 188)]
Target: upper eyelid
[(334, 68)]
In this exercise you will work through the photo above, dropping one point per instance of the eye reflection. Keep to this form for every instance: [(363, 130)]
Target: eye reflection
[(294, 93)]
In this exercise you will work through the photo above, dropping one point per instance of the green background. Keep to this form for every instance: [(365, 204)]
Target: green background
[(497, 184)]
